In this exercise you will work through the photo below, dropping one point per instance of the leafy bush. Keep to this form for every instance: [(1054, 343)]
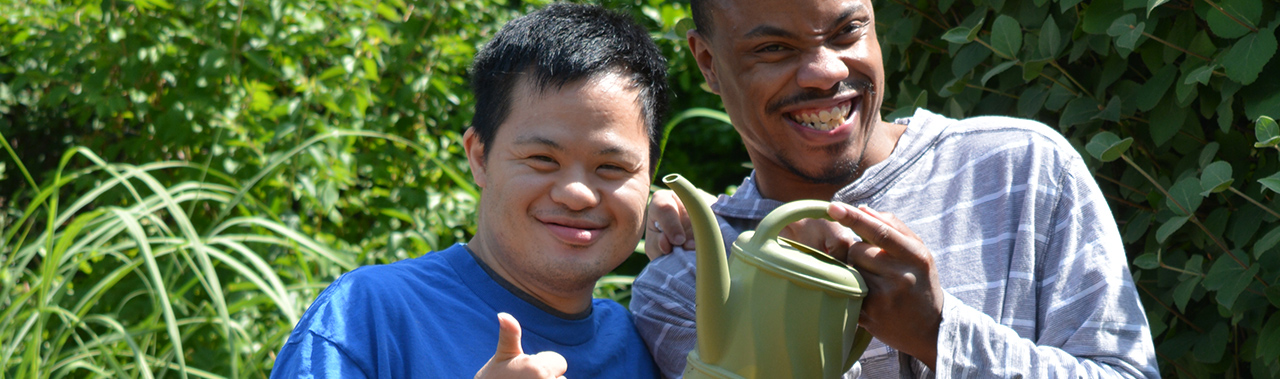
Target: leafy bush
[(1162, 95)]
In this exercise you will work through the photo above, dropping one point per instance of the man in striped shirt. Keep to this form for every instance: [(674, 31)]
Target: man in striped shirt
[(990, 253)]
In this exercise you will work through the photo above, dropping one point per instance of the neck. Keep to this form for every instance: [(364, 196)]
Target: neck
[(568, 301)]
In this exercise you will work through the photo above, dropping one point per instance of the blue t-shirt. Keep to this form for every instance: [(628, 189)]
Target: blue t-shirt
[(437, 317)]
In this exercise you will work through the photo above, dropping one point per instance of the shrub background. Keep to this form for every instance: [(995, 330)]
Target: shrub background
[(181, 178)]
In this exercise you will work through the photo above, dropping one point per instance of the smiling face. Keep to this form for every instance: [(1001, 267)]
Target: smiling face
[(801, 81), (564, 187)]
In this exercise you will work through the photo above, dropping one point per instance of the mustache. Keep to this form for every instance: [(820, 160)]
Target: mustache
[(844, 87)]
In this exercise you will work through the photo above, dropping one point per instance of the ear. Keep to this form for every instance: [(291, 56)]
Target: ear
[(475, 156), (701, 49)]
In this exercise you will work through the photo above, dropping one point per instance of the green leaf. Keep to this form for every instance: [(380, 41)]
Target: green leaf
[(1154, 89), (1169, 227), (1224, 26), (1182, 293), (1249, 55), (1208, 153), (1050, 38), (1031, 70), (684, 26), (1215, 178), (1111, 112), (1184, 197), (332, 72), (1129, 39), (1122, 25), (1079, 110), (969, 57), (1266, 242), (1269, 338), (1267, 131), (1147, 261), (1107, 147), (1032, 100), (1006, 36), (1210, 348), (1166, 119), (958, 35), (1273, 295), (1100, 14), (997, 70), (1229, 278), (1201, 75), (1271, 182)]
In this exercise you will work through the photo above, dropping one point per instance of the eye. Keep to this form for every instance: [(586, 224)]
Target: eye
[(849, 33), (542, 162), (851, 27), (613, 171), (770, 48)]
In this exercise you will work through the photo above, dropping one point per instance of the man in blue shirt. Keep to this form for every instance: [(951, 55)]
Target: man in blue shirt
[(569, 101)]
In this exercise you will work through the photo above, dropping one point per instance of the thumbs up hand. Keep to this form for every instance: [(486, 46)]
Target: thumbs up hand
[(510, 361)]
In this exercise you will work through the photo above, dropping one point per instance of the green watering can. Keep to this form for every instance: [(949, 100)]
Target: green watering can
[(776, 310)]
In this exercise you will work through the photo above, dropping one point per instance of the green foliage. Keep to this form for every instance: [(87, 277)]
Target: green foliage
[(267, 147), (1170, 101)]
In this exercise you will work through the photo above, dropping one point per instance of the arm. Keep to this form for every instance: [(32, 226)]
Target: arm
[(1089, 319), (662, 300), (311, 355), (1088, 323)]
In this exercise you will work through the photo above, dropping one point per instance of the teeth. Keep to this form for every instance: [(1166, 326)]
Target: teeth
[(824, 120)]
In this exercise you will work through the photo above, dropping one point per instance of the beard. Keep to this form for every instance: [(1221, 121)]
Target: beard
[(843, 171)]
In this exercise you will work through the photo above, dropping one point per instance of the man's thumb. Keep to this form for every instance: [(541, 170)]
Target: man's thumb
[(508, 338)]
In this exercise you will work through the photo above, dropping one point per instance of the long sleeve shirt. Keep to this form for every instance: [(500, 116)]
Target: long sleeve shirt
[(1028, 253)]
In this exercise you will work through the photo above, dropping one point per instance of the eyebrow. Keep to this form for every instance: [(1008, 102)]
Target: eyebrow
[(773, 31), (543, 141)]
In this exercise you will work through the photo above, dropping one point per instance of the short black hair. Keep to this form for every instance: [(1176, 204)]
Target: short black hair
[(564, 43), (701, 16)]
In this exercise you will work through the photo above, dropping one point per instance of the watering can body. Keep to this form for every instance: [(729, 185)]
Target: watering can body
[(776, 308)]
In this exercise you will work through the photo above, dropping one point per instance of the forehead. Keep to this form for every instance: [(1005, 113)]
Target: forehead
[(740, 17), (603, 108)]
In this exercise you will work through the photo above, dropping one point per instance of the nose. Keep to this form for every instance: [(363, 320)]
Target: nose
[(575, 192), (822, 70)]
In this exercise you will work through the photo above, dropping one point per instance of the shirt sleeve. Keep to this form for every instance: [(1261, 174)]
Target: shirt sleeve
[(662, 299), (312, 356), (1089, 321)]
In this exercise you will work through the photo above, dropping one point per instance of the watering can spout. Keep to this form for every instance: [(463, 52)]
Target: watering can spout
[(713, 269)]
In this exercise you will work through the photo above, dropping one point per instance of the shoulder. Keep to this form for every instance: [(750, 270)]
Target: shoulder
[(1019, 141), (370, 292)]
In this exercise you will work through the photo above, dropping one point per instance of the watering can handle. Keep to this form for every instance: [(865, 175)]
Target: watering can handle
[(779, 218), (861, 339)]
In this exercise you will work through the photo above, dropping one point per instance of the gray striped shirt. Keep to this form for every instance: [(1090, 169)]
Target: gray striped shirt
[(1027, 250)]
